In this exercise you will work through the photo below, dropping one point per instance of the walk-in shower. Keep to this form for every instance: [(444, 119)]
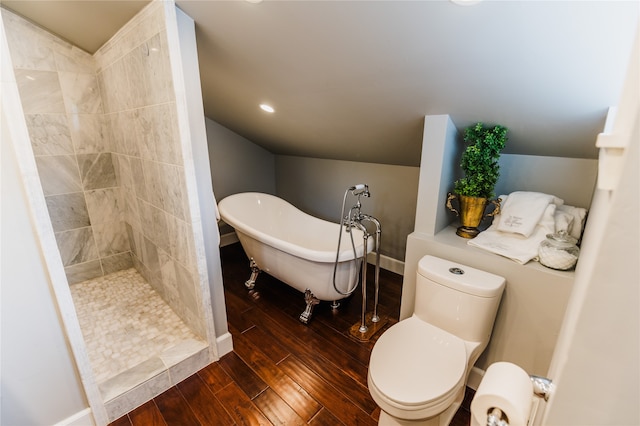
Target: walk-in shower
[(107, 136)]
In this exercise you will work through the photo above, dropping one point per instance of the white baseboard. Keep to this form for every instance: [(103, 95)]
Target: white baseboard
[(475, 377), (388, 263), (228, 239), (224, 344), (81, 418)]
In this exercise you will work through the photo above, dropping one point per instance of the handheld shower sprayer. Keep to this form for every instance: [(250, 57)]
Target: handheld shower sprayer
[(360, 189)]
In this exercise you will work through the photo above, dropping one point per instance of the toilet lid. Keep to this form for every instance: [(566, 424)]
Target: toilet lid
[(414, 362)]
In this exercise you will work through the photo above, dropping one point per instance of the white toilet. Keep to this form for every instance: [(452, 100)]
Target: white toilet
[(419, 366)]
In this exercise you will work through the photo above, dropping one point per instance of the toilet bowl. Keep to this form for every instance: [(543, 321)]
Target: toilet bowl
[(418, 350), (419, 367)]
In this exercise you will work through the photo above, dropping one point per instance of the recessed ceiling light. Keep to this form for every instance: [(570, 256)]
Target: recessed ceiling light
[(267, 108), (254, 1), (466, 2)]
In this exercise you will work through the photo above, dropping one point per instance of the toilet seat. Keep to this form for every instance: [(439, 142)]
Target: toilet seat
[(416, 368)]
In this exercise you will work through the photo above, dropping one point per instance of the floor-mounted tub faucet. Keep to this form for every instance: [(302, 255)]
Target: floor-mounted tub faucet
[(356, 219)]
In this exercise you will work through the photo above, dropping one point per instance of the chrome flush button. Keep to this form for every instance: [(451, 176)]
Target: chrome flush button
[(456, 271)]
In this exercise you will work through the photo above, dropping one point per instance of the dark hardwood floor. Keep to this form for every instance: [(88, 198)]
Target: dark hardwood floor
[(281, 372)]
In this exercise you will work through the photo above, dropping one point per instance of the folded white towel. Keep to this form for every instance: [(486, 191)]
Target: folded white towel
[(522, 211), (515, 246), (579, 215), (564, 221)]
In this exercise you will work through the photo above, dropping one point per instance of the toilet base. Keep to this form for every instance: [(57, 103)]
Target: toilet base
[(443, 419), (388, 420)]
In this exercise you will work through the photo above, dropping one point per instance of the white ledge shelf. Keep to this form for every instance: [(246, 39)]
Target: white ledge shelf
[(448, 237)]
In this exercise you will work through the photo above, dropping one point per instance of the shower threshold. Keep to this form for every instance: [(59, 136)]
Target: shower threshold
[(136, 344)]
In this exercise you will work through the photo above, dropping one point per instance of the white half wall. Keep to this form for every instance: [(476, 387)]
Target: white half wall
[(439, 169)]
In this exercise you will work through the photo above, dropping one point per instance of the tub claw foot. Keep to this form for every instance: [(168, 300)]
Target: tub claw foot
[(335, 304), (251, 282), (311, 301)]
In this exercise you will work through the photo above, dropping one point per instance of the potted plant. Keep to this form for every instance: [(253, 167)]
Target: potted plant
[(481, 171)]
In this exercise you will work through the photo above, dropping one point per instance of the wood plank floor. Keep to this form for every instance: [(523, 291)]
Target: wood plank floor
[(281, 372)]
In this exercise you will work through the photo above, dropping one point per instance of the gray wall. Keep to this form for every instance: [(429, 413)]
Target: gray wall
[(572, 179), (237, 164), (317, 186)]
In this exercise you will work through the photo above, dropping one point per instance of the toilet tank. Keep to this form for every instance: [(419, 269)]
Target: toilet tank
[(457, 298)]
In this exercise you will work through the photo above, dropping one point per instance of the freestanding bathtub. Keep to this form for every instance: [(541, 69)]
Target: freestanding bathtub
[(294, 247)]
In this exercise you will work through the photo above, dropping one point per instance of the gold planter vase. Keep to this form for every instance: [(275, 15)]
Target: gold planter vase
[(471, 212)]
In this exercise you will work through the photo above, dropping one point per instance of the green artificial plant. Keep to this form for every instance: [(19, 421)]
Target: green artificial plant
[(480, 160)]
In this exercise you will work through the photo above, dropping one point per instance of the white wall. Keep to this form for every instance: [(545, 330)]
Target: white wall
[(596, 366)]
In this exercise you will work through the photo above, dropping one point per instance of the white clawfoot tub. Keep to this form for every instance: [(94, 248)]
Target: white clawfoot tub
[(294, 247)]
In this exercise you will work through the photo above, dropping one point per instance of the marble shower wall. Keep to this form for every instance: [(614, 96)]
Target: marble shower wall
[(104, 132), (134, 75), (64, 115)]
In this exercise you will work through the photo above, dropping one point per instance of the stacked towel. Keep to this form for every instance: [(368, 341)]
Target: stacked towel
[(516, 233), (522, 211), (578, 214)]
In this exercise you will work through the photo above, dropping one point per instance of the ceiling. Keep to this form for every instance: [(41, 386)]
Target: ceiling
[(352, 80)]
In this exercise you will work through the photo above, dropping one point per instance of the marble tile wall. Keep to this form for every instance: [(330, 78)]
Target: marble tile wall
[(135, 77), (104, 130), (65, 117)]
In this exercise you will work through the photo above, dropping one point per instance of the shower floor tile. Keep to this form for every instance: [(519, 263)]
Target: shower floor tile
[(125, 322)]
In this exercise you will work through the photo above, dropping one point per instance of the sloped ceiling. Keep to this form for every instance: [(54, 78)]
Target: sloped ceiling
[(353, 80)]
